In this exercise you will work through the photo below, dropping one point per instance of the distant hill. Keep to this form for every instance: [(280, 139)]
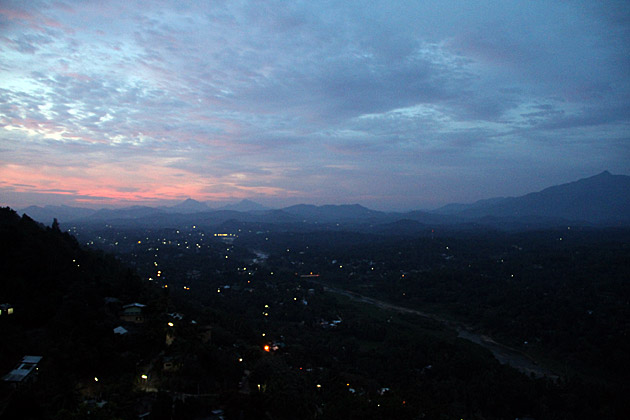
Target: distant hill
[(244, 206), (333, 213), (133, 212), (429, 218), (603, 198), (455, 208), (46, 214)]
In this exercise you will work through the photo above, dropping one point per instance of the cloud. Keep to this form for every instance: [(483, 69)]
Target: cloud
[(307, 99)]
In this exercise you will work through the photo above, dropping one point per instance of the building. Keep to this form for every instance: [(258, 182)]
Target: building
[(24, 372), (120, 330), (6, 309), (133, 313)]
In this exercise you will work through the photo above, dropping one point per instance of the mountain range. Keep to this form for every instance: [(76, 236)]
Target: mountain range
[(599, 199), (603, 199)]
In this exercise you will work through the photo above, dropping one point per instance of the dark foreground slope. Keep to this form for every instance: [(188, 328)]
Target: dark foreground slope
[(58, 292)]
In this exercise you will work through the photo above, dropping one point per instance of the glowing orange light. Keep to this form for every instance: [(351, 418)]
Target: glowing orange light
[(267, 348)]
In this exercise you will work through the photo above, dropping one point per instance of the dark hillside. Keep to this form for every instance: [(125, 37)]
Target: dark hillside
[(58, 291), (43, 267)]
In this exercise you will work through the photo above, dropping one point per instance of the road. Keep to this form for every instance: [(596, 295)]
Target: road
[(504, 354)]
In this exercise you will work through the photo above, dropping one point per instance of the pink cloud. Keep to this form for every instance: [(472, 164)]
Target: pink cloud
[(36, 22), (121, 184), (14, 14)]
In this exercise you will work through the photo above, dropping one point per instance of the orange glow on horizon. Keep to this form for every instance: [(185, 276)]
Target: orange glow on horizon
[(102, 184)]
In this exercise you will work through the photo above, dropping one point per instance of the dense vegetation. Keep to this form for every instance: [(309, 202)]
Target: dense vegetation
[(216, 304)]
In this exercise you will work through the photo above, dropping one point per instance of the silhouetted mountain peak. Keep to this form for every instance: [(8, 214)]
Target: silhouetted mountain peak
[(189, 205)]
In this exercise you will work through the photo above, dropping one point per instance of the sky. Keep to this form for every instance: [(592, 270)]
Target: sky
[(395, 105)]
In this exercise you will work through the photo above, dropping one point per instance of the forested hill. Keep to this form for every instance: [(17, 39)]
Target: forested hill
[(58, 291), (44, 270)]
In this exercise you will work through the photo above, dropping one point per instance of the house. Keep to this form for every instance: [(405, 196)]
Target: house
[(24, 372), (6, 309), (120, 330), (133, 313)]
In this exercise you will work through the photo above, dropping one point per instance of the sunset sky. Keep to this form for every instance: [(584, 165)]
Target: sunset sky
[(391, 104)]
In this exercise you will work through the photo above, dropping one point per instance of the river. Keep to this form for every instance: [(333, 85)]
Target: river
[(504, 354)]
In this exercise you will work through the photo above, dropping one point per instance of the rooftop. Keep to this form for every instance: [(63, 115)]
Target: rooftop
[(23, 370)]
